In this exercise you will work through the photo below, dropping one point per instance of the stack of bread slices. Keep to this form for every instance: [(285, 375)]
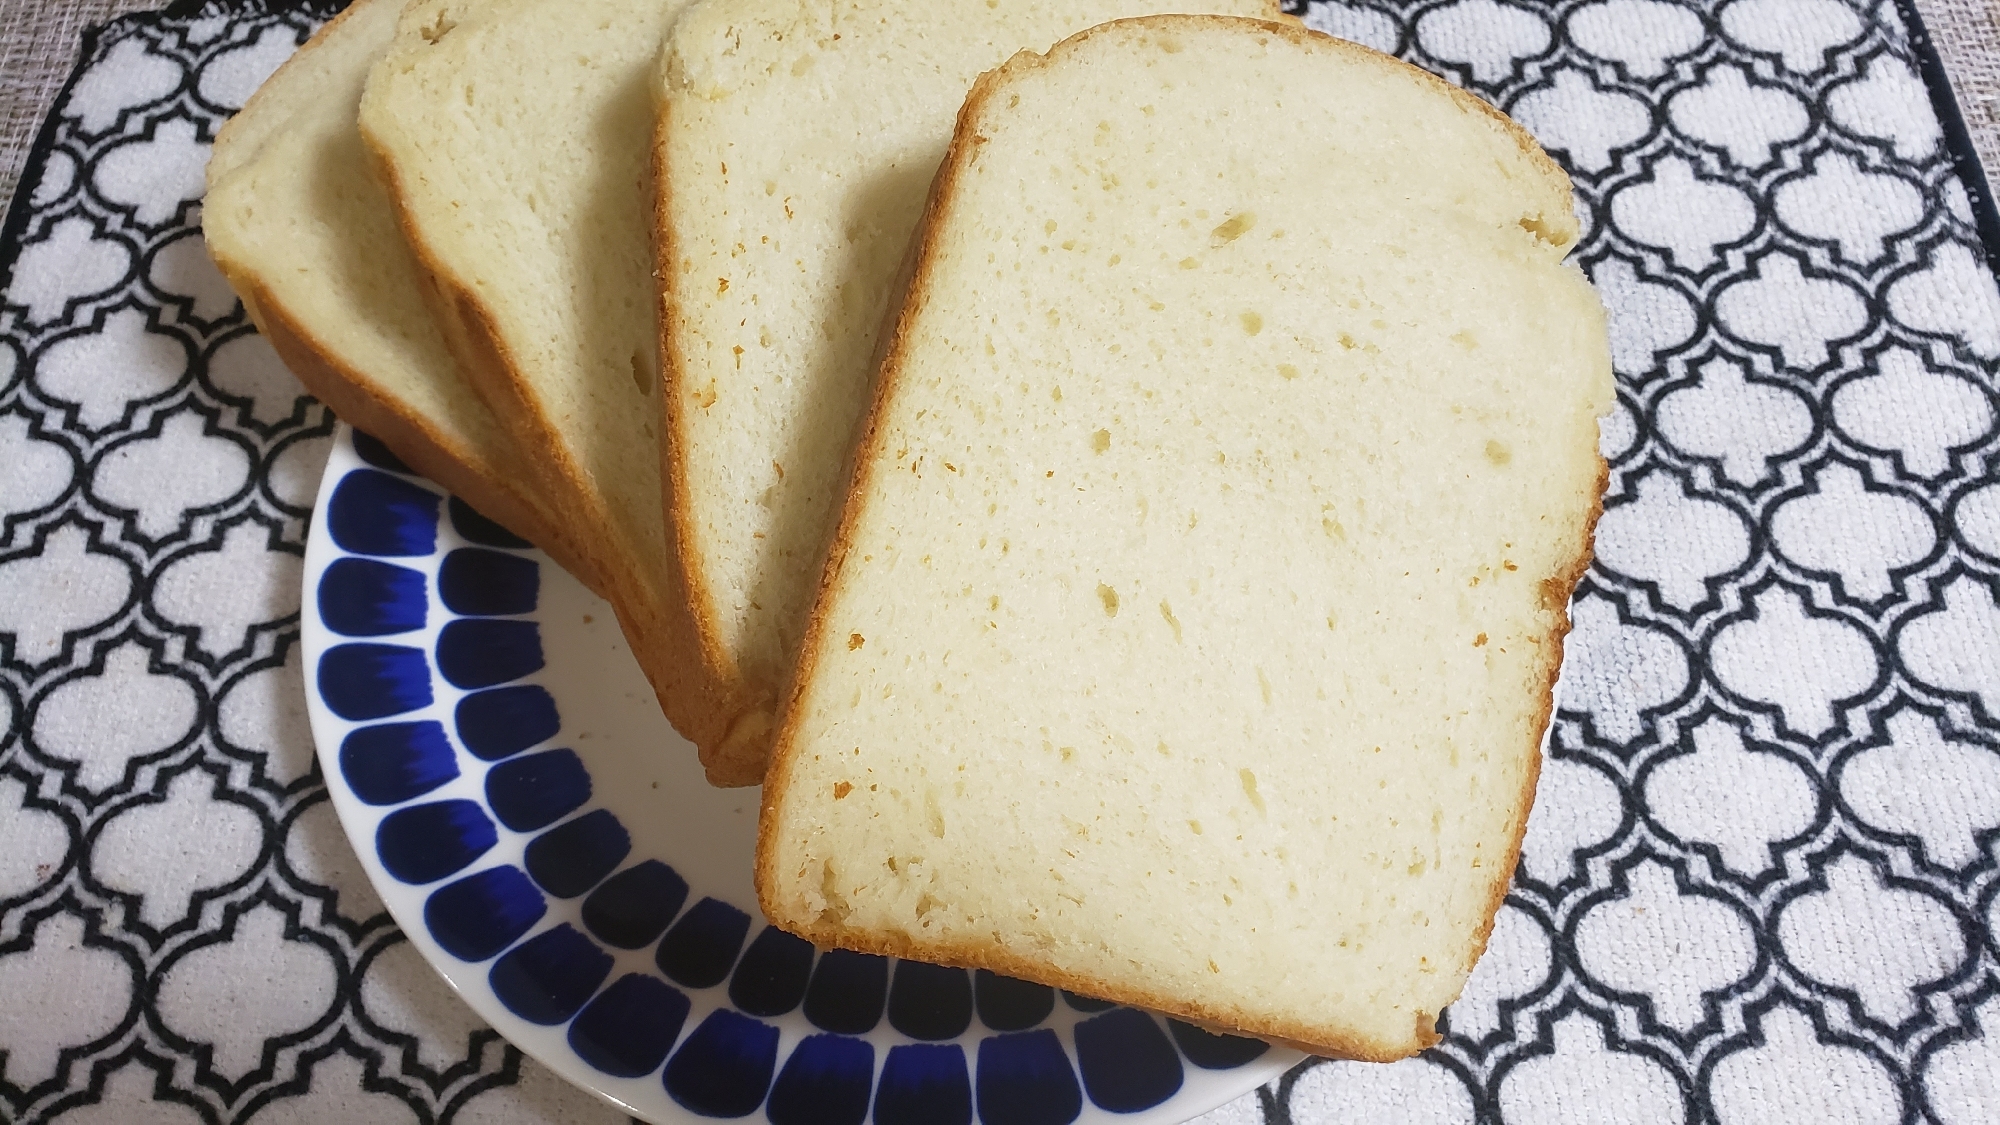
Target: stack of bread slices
[(1114, 474)]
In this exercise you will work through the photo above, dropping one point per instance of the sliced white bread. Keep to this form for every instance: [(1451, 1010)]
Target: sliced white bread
[(515, 138), (309, 242), (1192, 621), (796, 143)]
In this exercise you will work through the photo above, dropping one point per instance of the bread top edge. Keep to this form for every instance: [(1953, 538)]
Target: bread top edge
[(684, 78), (1555, 239)]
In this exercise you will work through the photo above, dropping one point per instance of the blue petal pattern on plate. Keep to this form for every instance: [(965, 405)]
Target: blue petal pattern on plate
[(533, 791), (825, 1082), (1007, 1004), (1025, 1079), (391, 763), (1128, 1063), (425, 843), (505, 721), (728, 1065), (376, 514), (725, 1066), (547, 978), (1210, 1051), (631, 910), (575, 856), (1084, 1003), (700, 948), (924, 1084), (483, 913), (477, 653), (847, 991), (628, 1029), (369, 598), (771, 980), (474, 581), (930, 1001), (476, 528), (373, 681)]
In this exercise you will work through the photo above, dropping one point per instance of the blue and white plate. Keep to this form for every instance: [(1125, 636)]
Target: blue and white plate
[(548, 843)]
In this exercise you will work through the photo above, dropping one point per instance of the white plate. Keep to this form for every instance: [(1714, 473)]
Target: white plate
[(548, 843)]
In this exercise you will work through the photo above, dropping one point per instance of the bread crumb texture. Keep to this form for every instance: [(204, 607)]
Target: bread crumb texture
[(803, 142), (289, 183), (1328, 399), (516, 137)]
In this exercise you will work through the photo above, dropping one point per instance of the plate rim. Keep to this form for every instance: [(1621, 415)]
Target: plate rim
[(316, 637)]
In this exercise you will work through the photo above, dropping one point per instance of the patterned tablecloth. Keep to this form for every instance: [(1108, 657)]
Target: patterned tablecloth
[(1762, 879)]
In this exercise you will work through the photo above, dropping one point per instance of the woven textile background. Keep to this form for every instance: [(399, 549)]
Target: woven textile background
[(1762, 881), (38, 40)]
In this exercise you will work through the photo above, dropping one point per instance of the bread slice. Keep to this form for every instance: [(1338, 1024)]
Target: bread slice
[(796, 144), (515, 138), (1193, 617), (310, 244)]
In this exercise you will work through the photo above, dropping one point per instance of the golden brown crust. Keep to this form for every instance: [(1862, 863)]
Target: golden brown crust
[(728, 701), (474, 342), (963, 152), (408, 434), (1278, 14), (656, 622), (1557, 591), (355, 396)]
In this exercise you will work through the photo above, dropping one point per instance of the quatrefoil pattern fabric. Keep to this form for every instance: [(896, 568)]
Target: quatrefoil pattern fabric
[(1762, 879)]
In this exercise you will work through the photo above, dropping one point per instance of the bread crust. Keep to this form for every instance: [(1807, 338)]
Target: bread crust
[(657, 625), (730, 706), (357, 398), (657, 622), (773, 893), (408, 434), (1557, 591), (473, 342)]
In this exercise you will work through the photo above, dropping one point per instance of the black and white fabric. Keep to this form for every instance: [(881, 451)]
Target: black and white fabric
[(1762, 879)]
